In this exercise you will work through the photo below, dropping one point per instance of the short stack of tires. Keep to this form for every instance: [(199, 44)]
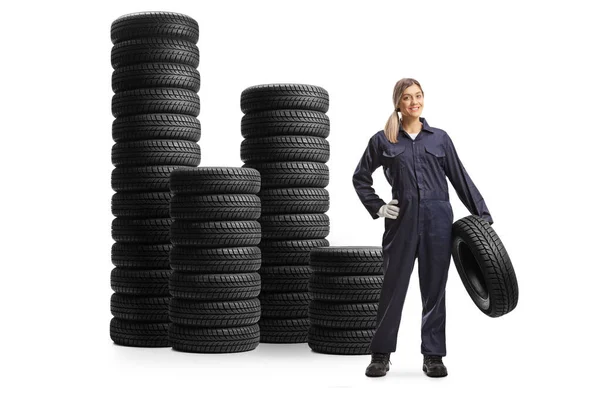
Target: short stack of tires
[(344, 287), (215, 260), (155, 104), (285, 129)]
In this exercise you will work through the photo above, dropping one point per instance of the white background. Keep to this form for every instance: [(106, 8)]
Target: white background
[(515, 84)]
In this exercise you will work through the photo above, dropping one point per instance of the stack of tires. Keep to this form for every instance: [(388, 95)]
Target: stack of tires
[(285, 129), (215, 260), (155, 82), (344, 286)]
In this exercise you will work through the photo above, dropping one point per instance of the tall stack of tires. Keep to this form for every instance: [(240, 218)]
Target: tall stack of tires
[(344, 286), (155, 104), (285, 129), (215, 260)]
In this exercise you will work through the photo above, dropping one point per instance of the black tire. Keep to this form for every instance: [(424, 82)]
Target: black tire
[(214, 287), (140, 256), (154, 50), (155, 75), (285, 122), (214, 340), (215, 207), (335, 341), (141, 205), (294, 226), (345, 289), (343, 316), (215, 233), (155, 100), (284, 96), (156, 152), (215, 180), (484, 266), (138, 231), (291, 174), (285, 148), (154, 23), (140, 309), (289, 252), (347, 260), (215, 314), (284, 330), (140, 282), (285, 278), (284, 305), (153, 178), (294, 201), (139, 334), (220, 260), (156, 127)]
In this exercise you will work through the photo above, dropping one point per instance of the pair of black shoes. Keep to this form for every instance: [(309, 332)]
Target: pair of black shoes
[(380, 365)]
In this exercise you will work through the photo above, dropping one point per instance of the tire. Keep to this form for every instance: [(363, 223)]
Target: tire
[(140, 309), (140, 282), (214, 340), (141, 205), (215, 207), (214, 287), (139, 334), (215, 233), (284, 96), (156, 127), (294, 201), (294, 226), (285, 278), (155, 100), (289, 252), (345, 289), (140, 231), (155, 75), (284, 123), (141, 256), (163, 24), (284, 330), (221, 260), (215, 180), (153, 178), (291, 174), (284, 305), (215, 314), (156, 152), (347, 260), (335, 341), (484, 266), (343, 316), (154, 50), (285, 148)]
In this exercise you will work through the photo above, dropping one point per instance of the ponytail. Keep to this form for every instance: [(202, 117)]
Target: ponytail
[(392, 127)]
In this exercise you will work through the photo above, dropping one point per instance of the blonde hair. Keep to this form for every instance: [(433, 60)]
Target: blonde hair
[(392, 126)]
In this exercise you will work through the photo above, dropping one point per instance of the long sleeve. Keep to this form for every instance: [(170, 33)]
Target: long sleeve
[(464, 186), (363, 179)]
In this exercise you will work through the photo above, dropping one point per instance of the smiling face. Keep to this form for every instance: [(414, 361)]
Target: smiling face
[(411, 102)]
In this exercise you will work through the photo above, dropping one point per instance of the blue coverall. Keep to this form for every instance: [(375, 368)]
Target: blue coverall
[(417, 172)]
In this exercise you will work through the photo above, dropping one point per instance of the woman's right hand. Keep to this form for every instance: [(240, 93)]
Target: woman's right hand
[(389, 210)]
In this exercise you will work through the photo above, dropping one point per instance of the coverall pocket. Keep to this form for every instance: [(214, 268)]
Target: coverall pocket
[(391, 159), (437, 154)]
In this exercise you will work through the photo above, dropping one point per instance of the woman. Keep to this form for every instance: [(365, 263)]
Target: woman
[(416, 159)]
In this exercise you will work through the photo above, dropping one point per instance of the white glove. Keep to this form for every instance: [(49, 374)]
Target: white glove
[(388, 210)]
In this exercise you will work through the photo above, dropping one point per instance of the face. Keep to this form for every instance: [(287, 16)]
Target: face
[(411, 102)]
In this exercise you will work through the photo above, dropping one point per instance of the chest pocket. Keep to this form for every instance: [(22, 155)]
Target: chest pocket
[(391, 157), (435, 154)]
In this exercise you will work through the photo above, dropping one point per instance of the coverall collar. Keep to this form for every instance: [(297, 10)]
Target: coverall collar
[(425, 128)]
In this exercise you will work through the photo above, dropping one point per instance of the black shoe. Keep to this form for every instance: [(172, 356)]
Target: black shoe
[(380, 365), (434, 367)]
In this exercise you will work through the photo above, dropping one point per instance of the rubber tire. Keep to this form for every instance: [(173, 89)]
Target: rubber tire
[(284, 123), (141, 205), (154, 50), (140, 282), (343, 316), (215, 207), (140, 231), (156, 152), (215, 233), (139, 334), (140, 256), (214, 340), (156, 127), (335, 341), (220, 260), (153, 178), (291, 174), (215, 180), (294, 226), (284, 330), (155, 75), (154, 23), (294, 201), (155, 101), (285, 278), (289, 252), (284, 305), (214, 287), (484, 266), (140, 309), (215, 314), (347, 260), (285, 148), (284, 96), (345, 289)]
